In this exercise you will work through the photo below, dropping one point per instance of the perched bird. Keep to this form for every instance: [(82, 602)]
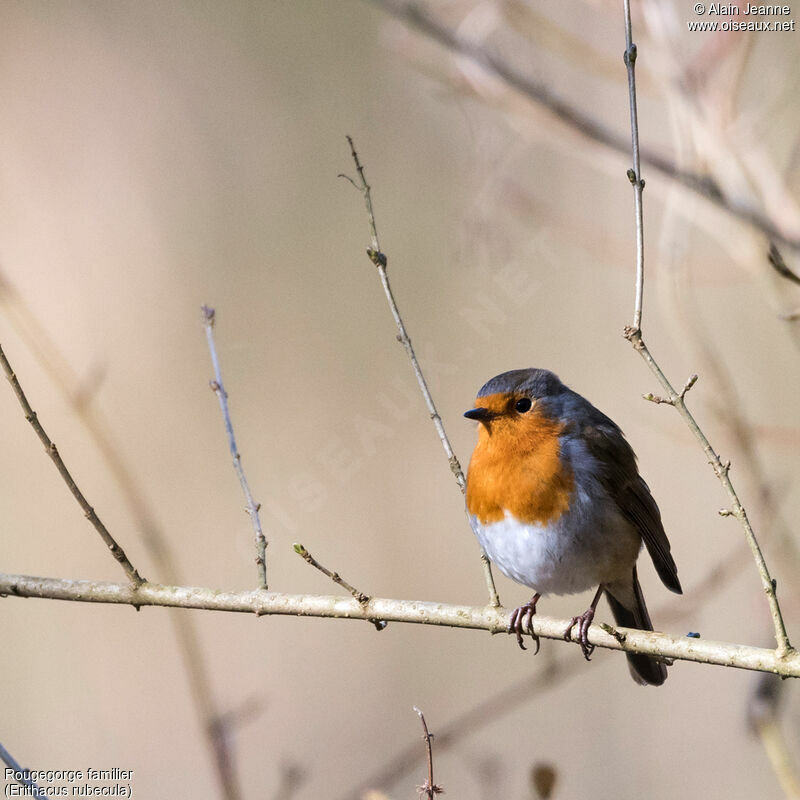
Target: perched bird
[(556, 501)]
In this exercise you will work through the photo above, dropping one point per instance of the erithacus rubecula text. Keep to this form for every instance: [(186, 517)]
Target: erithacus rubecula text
[(557, 503)]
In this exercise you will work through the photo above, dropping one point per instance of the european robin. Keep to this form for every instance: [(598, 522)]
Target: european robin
[(556, 501)]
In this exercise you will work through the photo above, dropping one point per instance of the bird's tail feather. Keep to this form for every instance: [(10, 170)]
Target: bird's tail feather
[(645, 670)]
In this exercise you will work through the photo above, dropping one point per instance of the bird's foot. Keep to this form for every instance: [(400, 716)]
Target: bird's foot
[(522, 622), (583, 622)]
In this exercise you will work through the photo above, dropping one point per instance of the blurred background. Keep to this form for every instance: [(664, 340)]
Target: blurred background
[(156, 156)]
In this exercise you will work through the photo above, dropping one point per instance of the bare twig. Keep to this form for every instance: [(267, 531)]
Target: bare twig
[(362, 598), (635, 174), (52, 451), (156, 543), (416, 14), (489, 709), (634, 335), (378, 258), (657, 399), (20, 775), (252, 507), (428, 788), (487, 618)]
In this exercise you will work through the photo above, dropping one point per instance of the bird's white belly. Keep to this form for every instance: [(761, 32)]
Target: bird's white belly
[(563, 557)]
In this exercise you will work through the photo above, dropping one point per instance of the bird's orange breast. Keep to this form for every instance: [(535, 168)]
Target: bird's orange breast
[(517, 467)]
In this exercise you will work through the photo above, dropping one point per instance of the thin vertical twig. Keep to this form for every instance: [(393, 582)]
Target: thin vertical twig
[(575, 118), (429, 788), (155, 540), (635, 174), (378, 258), (488, 709), (52, 451), (252, 507), (677, 399)]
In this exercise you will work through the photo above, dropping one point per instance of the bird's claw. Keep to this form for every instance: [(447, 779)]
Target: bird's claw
[(583, 622), (521, 621)]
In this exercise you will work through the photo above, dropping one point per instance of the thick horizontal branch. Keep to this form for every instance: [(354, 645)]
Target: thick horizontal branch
[(488, 618)]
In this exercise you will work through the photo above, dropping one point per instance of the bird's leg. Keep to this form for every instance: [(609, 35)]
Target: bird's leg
[(583, 622), (522, 621)]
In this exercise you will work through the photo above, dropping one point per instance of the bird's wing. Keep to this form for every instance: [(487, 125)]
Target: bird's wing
[(620, 477)]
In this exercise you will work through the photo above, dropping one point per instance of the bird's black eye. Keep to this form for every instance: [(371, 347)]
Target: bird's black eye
[(523, 405)]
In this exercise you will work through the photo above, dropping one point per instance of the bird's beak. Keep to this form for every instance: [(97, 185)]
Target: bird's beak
[(480, 414)]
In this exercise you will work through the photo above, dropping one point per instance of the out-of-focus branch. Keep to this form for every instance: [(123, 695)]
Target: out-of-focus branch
[(52, 451), (689, 323), (252, 507), (417, 14), (379, 259), (779, 265), (487, 618), (155, 541), (634, 335), (293, 776), (762, 714)]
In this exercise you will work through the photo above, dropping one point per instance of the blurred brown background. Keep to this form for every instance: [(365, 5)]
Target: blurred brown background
[(158, 156)]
